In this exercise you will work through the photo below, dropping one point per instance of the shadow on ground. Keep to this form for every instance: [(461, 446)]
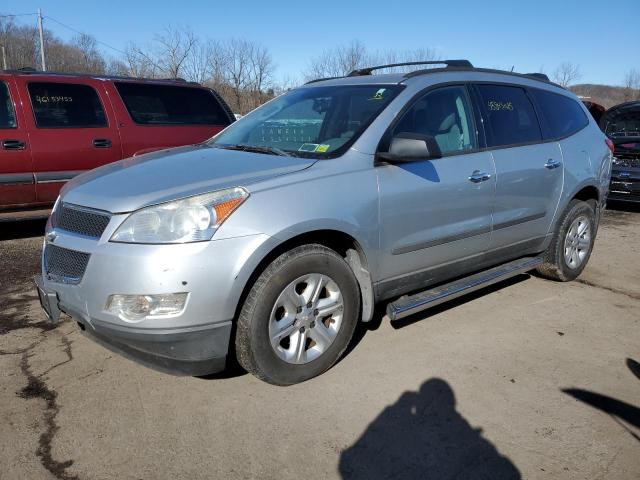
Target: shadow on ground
[(22, 229), (422, 436), (617, 409)]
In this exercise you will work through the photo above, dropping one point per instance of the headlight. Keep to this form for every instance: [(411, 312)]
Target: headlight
[(192, 219)]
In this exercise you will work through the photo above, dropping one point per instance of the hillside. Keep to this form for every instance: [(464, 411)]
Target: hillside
[(605, 95)]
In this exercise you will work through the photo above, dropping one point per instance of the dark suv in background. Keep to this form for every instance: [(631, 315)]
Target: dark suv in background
[(622, 125), (55, 126)]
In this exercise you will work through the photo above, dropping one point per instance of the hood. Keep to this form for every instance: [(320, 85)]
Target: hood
[(622, 121), (167, 175)]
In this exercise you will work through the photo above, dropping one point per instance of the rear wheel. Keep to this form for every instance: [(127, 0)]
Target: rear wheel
[(299, 316), (571, 244)]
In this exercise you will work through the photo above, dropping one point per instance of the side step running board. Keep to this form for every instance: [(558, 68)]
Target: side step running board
[(408, 305)]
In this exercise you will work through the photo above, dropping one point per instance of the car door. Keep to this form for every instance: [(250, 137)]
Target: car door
[(71, 131), (435, 212), (16, 170), (529, 171)]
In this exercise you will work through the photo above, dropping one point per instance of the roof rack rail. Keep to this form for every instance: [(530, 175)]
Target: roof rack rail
[(539, 76), (448, 63), (102, 76)]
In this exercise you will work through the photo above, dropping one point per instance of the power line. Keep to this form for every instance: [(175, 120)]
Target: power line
[(84, 33), (136, 52)]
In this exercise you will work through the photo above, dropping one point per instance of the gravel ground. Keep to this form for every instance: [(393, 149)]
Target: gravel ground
[(526, 379)]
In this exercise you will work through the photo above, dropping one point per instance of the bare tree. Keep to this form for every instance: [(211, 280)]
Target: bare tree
[(566, 74), (173, 47), (338, 61), (197, 66), (20, 44), (135, 63), (632, 85), (343, 59), (90, 59)]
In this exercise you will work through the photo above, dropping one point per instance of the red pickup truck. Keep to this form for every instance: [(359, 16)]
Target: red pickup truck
[(54, 126)]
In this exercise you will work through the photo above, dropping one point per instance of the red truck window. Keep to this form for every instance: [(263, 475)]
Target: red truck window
[(7, 113), (66, 105), (171, 105)]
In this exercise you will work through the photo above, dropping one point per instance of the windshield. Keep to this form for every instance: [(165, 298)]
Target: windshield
[(316, 122)]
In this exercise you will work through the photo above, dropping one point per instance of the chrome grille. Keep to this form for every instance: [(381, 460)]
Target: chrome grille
[(65, 265), (90, 223)]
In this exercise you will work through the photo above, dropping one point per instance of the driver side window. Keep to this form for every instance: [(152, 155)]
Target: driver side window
[(445, 115)]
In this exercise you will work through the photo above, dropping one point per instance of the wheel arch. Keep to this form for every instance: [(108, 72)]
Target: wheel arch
[(341, 242)]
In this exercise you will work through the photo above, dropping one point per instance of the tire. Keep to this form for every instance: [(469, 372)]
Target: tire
[(571, 244), (284, 335)]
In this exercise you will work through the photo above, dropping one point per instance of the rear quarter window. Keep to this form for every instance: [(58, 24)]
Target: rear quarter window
[(563, 116), (171, 105), (66, 105), (510, 118)]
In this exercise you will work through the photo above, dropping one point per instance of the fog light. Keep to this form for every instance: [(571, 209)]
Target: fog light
[(134, 308)]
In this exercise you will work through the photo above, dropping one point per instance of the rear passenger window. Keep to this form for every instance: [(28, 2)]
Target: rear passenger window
[(7, 112), (66, 105), (443, 114), (562, 115), (169, 105), (509, 116)]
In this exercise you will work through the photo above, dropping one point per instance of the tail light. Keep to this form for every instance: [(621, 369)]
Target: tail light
[(609, 144)]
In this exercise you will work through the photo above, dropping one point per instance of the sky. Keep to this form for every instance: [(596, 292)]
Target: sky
[(526, 35)]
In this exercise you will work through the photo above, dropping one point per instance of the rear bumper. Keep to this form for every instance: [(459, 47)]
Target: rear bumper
[(622, 197)]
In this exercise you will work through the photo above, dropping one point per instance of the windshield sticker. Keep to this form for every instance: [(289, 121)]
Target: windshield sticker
[(322, 148), (308, 147), (500, 105), (379, 94)]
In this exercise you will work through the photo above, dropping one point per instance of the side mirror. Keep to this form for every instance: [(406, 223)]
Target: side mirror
[(410, 147)]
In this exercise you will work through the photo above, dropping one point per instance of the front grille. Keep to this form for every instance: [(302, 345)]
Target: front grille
[(65, 265), (90, 223)]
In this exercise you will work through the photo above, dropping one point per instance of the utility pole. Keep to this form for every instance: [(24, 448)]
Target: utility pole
[(42, 62), (4, 58)]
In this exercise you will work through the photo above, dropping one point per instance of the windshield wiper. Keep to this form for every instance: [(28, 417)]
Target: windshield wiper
[(257, 149)]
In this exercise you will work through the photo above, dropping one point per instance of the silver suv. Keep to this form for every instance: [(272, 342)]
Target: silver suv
[(270, 241)]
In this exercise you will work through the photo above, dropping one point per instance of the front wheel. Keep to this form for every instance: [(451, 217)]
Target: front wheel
[(299, 316), (572, 243)]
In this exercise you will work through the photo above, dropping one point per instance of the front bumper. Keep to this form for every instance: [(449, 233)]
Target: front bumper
[(196, 341)]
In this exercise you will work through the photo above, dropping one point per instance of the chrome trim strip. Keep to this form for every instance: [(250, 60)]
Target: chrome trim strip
[(56, 177), (440, 241), (16, 178)]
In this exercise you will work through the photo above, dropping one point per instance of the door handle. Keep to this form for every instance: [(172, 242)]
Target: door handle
[(102, 143), (551, 164), (13, 145), (477, 176)]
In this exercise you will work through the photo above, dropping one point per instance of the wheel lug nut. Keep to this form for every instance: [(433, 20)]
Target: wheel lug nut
[(299, 309), (309, 305), (316, 312), (301, 329), (312, 324)]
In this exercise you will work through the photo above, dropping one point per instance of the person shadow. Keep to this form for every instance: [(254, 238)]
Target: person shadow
[(422, 436)]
